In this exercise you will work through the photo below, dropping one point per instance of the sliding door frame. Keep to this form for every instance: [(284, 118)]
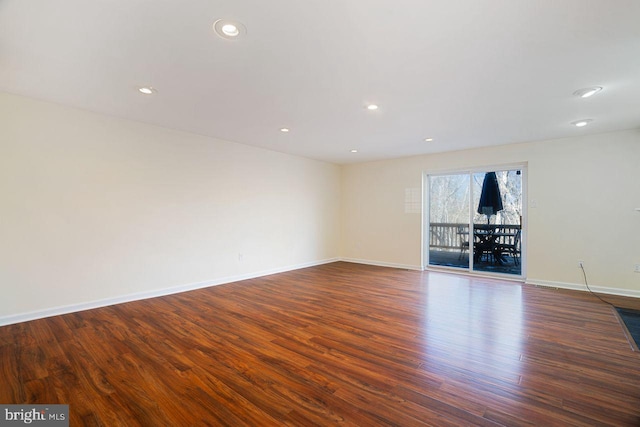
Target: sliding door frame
[(523, 167)]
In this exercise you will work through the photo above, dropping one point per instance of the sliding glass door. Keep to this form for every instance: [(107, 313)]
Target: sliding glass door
[(449, 220), (475, 221)]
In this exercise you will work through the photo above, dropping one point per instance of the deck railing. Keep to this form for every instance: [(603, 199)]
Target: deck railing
[(447, 235)]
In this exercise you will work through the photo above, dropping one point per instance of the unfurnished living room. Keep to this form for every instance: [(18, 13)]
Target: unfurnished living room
[(359, 213)]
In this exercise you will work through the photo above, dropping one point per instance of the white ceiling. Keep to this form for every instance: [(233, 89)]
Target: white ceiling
[(468, 73)]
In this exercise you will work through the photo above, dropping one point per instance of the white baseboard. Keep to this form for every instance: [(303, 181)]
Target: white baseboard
[(382, 264), (546, 283), (581, 287), (73, 308)]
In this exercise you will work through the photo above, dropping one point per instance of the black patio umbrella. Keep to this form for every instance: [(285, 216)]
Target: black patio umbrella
[(490, 198)]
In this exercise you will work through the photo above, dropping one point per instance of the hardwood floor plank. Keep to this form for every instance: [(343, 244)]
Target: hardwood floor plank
[(12, 389), (335, 344)]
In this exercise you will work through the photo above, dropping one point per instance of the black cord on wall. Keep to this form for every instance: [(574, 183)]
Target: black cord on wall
[(584, 273)]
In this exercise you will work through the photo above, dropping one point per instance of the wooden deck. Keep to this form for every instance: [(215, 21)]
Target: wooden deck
[(335, 344), (454, 258), (445, 241)]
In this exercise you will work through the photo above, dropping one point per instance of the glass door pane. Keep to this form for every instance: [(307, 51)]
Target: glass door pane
[(497, 221), (449, 220)]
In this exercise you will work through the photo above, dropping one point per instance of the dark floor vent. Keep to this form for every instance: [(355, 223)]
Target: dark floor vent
[(631, 319)]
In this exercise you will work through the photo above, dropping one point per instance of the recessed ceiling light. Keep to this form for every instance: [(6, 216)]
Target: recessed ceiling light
[(147, 90), (581, 123), (285, 130), (587, 91), (354, 151), (372, 107), (229, 30), (428, 139)]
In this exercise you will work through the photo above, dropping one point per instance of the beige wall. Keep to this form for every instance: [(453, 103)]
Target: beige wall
[(95, 209), (586, 190)]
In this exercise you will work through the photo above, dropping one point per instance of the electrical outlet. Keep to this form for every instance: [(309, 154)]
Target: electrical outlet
[(637, 269), (580, 264)]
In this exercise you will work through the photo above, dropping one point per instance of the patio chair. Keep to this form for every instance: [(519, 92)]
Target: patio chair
[(464, 240), (512, 248)]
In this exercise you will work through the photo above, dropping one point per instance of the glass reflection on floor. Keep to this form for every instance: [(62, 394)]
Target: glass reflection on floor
[(478, 327)]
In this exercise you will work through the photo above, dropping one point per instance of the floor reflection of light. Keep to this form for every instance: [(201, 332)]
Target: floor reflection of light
[(473, 324)]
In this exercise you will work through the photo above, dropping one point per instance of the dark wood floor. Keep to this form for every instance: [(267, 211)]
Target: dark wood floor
[(335, 344)]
